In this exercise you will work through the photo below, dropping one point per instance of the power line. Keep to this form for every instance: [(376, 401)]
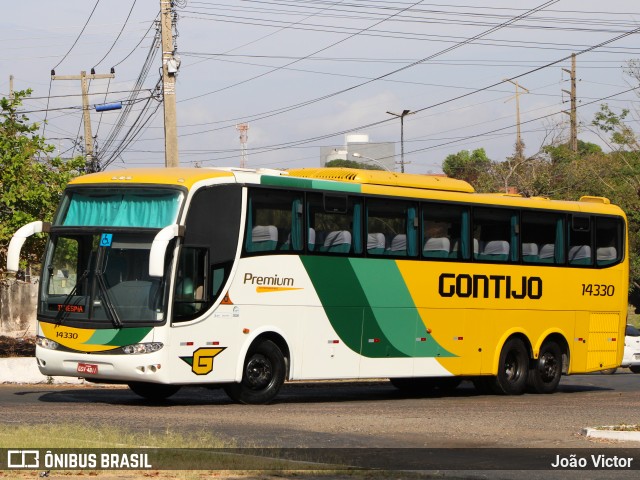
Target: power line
[(79, 35), (116, 40), (311, 54), (353, 87)]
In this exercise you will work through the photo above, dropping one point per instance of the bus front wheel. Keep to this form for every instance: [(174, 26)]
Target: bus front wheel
[(153, 391), (545, 374), (262, 376), (512, 369)]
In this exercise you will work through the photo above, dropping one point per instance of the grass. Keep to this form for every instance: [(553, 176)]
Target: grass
[(78, 436), (622, 427)]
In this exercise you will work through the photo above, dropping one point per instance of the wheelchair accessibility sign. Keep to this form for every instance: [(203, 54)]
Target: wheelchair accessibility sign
[(105, 239)]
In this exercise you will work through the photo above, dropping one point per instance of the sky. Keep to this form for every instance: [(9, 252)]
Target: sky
[(303, 73)]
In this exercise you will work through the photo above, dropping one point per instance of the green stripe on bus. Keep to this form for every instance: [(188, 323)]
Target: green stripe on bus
[(102, 337), (130, 336), (393, 307), (309, 183), (369, 307), (346, 305)]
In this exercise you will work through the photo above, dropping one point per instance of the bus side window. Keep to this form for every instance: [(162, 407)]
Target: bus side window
[(392, 228), (580, 252), (334, 224), (191, 296), (495, 231), (542, 236), (609, 234), (445, 231), (274, 222)]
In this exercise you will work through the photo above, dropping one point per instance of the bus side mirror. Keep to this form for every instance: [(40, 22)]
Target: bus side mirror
[(18, 239), (159, 248)]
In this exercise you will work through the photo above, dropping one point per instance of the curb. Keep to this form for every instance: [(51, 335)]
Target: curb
[(623, 436), (25, 370)]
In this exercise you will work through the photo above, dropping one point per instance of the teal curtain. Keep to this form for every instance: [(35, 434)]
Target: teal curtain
[(412, 231), (122, 210), (465, 235), (559, 249), (357, 227), (249, 241), (310, 245), (296, 224)]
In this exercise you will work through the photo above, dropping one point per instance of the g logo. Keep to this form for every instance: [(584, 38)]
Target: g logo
[(202, 360)]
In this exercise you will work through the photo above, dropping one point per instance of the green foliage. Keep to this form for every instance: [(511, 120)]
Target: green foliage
[(474, 167), (563, 154), (352, 164), (31, 181)]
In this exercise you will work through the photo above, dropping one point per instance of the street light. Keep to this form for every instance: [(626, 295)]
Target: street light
[(377, 162), (401, 116)]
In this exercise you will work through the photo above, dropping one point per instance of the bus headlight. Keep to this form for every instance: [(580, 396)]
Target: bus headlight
[(46, 343), (142, 348)]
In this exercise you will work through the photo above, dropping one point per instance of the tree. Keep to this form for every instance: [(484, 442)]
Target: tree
[(562, 152), (31, 181), (473, 167)]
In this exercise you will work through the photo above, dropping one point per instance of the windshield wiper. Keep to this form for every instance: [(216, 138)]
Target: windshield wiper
[(106, 301), (63, 313)]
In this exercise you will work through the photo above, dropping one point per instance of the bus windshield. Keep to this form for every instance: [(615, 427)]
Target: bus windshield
[(101, 278), (124, 207)]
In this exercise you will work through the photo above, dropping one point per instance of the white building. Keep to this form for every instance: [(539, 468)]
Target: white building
[(375, 153)]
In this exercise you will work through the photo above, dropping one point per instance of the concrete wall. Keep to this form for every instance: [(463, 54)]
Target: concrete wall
[(18, 302)]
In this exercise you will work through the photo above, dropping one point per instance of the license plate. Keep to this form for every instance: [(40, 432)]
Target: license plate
[(87, 368)]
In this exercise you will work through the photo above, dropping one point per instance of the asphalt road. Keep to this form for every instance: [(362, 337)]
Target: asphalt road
[(347, 414)]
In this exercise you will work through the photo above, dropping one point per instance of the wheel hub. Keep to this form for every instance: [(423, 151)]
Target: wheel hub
[(259, 372)]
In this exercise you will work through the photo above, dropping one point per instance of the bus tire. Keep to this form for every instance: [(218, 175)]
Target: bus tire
[(263, 374), (513, 368), (635, 368), (153, 391), (546, 371)]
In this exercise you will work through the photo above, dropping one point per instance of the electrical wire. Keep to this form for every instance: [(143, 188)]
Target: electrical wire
[(79, 35), (311, 54), (118, 37), (141, 40)]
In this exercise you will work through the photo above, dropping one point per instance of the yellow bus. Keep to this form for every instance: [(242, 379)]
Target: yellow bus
[(162, 278)]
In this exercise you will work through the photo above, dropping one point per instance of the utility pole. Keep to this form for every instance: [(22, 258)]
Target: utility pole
[(169, 69), (90, 162), (519, 146), (573, 114), (401, 117)]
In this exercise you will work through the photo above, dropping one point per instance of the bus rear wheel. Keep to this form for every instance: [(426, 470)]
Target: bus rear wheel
[(262, 376), (512, 368), (153, 391), (545, 373)]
